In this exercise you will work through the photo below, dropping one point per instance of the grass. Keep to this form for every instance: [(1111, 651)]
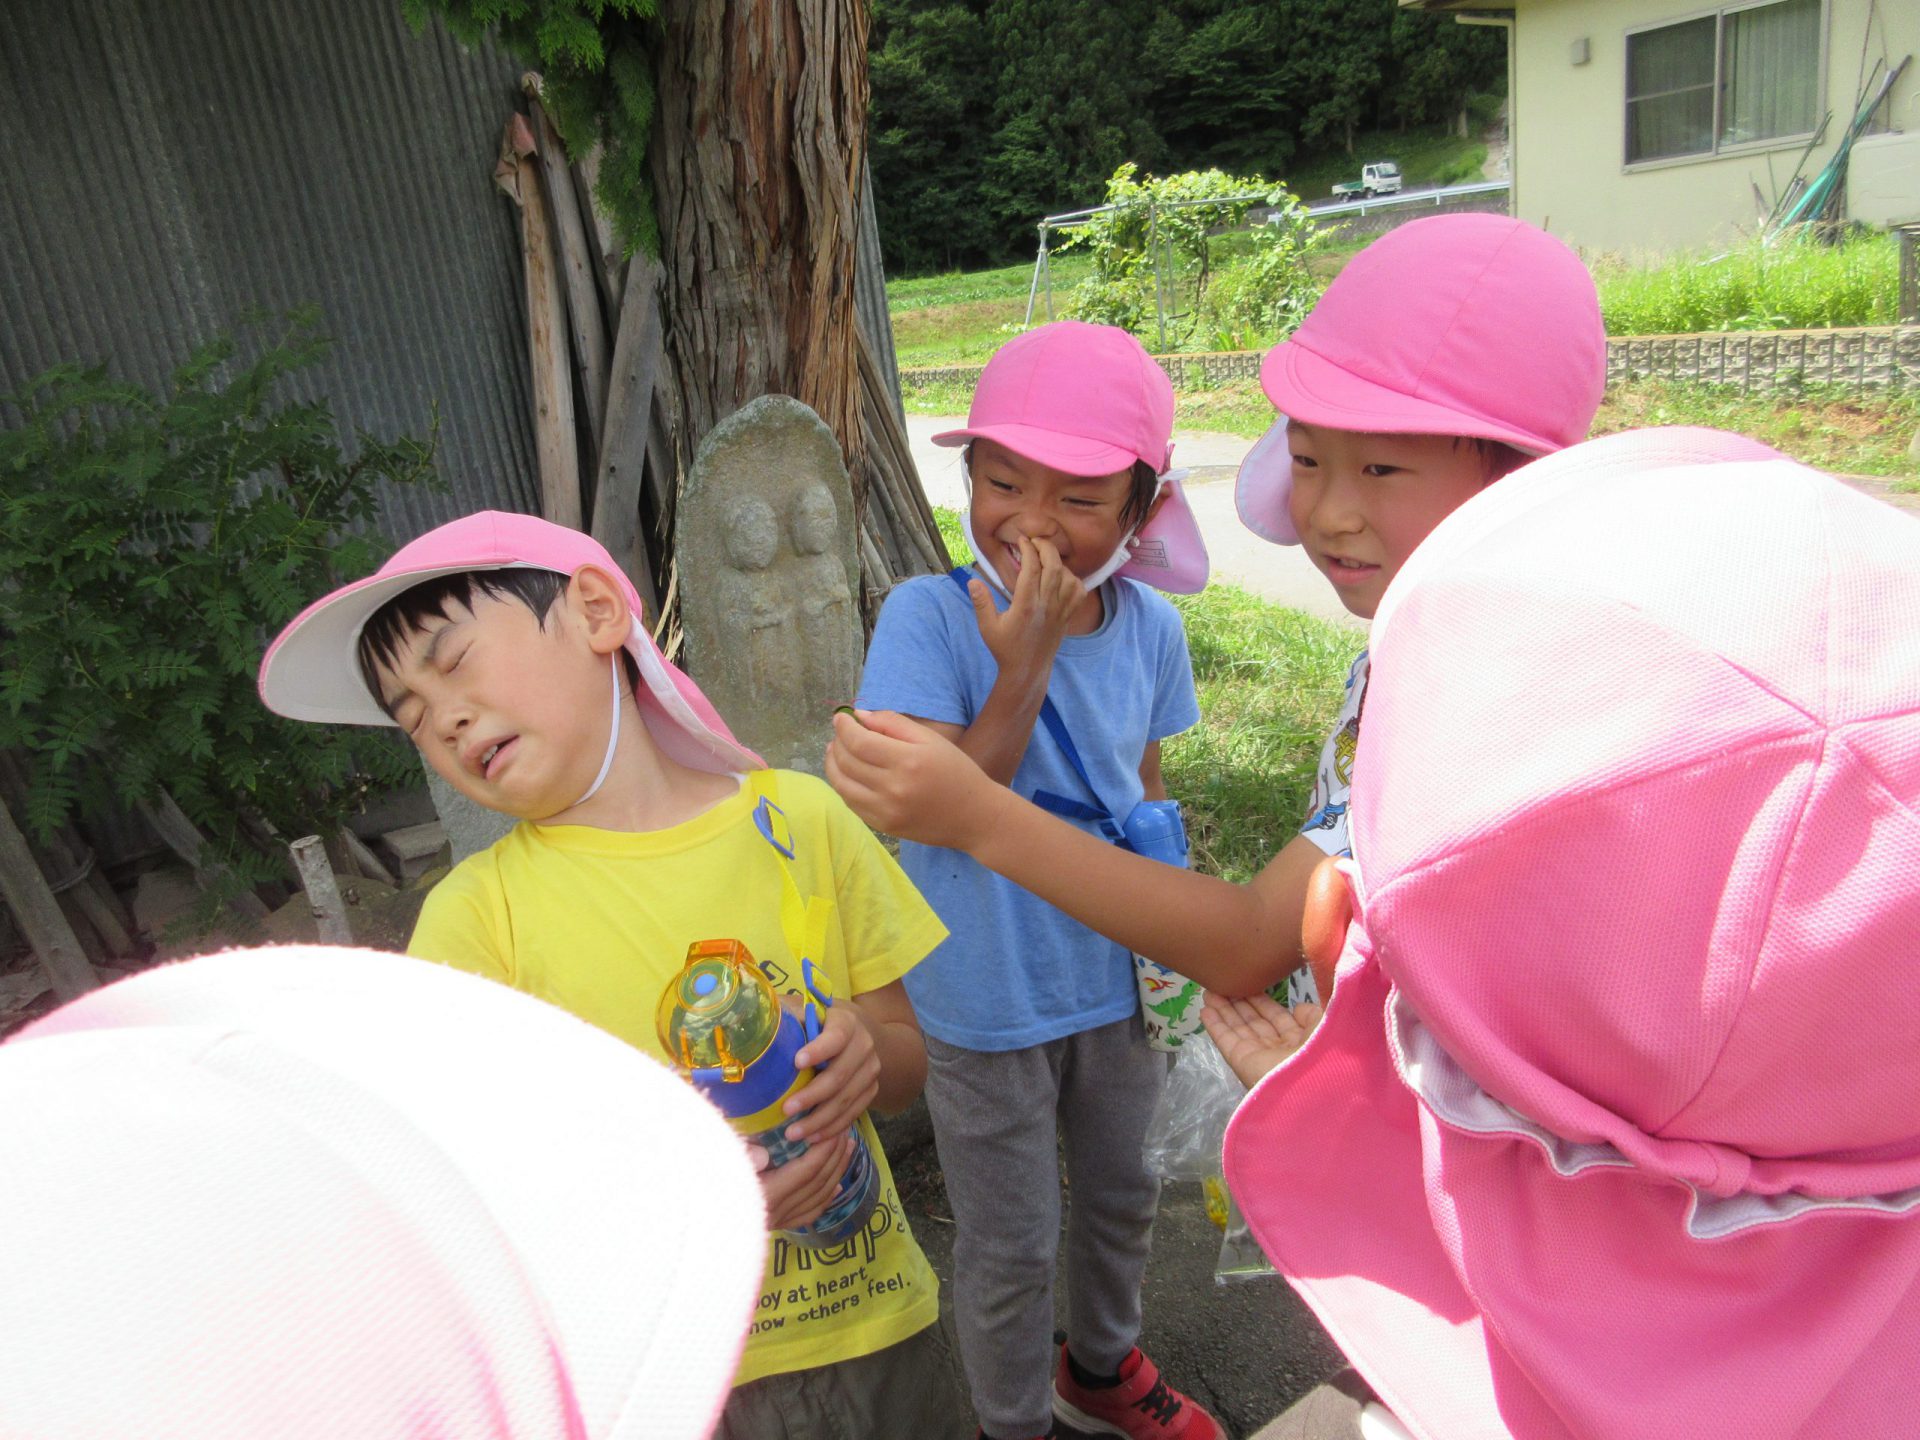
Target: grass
[(1789, 285), (1270, 681), (1828, 429), (962, 318), (1424, 158)]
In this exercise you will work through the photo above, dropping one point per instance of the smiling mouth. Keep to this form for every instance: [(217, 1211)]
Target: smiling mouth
[(1341, 569)]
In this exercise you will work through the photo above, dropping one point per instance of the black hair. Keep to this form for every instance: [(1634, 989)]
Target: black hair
[(1143, 483), (1146, 483), (1497, 456), (408, 612)]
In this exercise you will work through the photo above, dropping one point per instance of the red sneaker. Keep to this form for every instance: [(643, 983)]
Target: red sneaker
[(1141, 1407)]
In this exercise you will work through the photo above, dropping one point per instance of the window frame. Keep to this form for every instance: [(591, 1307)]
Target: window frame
[(1717, 150)]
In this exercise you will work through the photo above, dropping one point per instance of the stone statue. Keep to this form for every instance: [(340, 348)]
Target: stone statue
[(768, 577)]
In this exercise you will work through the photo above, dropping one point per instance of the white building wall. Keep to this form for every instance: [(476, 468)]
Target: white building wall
[(1569, 125)]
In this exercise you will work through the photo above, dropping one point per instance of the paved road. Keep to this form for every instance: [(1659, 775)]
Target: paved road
[(1280, 573)]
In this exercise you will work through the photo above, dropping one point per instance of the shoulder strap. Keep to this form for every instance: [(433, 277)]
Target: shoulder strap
[(803, 918), (1057, 728)]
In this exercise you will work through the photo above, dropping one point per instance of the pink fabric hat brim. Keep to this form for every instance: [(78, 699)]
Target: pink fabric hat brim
[(1264, 486), (1313, 390), (311, 672), (1069, 454), (1376, 1212), (570, 1243), (1169, 553)]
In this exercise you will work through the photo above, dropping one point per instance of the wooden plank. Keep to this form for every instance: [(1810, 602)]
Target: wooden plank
[(41, 918), (171, 824), (364, 860), (637, 358), (323, 891), (609, 265), (555, 441), (575, 255)]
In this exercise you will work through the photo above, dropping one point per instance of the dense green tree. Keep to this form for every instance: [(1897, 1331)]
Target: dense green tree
[(988, 114), (1436, 65), (1218, 98), (931, 109), (1070, 87)]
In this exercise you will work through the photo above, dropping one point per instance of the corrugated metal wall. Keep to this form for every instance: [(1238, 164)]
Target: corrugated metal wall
[(173, 163)]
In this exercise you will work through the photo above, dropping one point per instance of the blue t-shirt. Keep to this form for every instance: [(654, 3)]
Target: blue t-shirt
[(1015, 971)]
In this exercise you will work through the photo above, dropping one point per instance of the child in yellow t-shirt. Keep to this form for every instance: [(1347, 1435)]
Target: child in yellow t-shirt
[(510, 652)]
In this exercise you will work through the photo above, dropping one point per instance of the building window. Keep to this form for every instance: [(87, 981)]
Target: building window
[(1734, 77)]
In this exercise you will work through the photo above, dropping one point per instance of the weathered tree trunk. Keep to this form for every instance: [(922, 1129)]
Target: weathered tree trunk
[(757, 154)]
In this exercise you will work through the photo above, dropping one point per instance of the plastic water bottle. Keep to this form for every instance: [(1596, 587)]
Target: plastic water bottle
[(721, 1020), (1154, 829)]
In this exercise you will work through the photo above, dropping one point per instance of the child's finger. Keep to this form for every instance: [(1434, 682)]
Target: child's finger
[(983, 611)]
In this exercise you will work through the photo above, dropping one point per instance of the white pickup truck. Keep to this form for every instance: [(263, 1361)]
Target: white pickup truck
[(1380, 178)]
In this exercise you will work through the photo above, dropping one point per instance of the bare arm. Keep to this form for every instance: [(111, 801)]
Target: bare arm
[(1235, 939)]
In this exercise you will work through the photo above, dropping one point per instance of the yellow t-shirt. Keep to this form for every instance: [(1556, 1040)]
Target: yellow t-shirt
[(598, 922)]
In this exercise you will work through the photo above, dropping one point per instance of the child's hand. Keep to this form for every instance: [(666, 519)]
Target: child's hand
[(905, 780), (800, 1190), (1027, 634), (839, 1093), (1257, 1033)]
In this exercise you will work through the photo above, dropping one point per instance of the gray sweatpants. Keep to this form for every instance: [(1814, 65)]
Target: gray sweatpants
[(997, 1119)]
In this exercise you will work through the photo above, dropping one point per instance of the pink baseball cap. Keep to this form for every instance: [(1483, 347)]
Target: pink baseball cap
[(312, 670), (1473, 325), (1089, 400), (311, 1193), (1612, 1126)]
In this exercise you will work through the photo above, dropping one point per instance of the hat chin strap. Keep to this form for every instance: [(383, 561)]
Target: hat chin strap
[(613, 738)]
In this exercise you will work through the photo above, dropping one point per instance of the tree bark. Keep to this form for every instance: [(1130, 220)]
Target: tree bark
[(757, 154)]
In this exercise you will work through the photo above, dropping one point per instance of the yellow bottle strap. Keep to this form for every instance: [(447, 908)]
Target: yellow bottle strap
[(803, 918)]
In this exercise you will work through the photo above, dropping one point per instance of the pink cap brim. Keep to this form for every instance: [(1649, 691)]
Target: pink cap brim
[(311, 671), (1313, 390), (1169, 553), (1069, 454), (639, 1295)]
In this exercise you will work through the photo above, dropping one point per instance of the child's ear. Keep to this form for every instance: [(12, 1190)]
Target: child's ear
[(599, 601), (1323, 923)]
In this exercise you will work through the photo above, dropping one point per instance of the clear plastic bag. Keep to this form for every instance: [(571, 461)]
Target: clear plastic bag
[(1184, 1139), (1190, 1123)]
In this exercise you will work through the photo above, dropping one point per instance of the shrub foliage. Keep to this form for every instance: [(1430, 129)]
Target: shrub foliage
[(1154, 259), (149, 546)]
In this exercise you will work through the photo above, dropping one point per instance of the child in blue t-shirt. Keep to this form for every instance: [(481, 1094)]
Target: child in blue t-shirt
[(1059, 672)]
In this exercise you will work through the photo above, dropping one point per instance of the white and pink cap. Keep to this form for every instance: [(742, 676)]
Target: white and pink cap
[(312, 670), (1479, 326), (1089, 400), (310, 1193)]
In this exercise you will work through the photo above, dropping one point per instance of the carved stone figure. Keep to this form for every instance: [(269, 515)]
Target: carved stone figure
[(764, 539)]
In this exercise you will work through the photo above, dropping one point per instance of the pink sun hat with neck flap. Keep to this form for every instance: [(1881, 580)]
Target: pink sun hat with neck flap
[(297, 1193), (1478, 326), (312, 670), (1089, 400), (1612, 1124)]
